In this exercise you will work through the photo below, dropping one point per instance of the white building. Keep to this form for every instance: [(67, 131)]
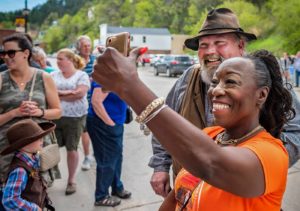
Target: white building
[(158, 40)]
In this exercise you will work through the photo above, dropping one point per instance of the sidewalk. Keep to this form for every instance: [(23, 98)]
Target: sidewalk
[(291, 198), (135, 176)]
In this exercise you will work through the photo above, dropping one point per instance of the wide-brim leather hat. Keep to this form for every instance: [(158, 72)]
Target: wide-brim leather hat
[(218, 21), (25, 132)]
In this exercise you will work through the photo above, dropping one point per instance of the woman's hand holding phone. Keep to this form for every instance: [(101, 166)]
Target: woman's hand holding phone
[(120, 41)]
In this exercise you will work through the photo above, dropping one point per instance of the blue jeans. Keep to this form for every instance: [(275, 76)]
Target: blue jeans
[(1, 196), (107, 144), (297, 72)]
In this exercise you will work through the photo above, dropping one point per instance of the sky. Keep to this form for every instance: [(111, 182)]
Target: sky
[(12, 5)]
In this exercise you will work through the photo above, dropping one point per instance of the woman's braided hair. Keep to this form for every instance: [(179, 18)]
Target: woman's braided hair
[(277, 109)]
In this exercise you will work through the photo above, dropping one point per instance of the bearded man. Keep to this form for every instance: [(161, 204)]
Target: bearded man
[(219, 38)]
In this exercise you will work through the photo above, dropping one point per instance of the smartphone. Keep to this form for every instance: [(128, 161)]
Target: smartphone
[(120, 41)]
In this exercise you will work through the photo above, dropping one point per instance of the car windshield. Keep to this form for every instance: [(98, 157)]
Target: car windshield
[(183, 58), (168, 58)]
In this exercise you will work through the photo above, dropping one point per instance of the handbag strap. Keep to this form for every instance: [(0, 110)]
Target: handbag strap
[(53, 137), (1, 82), (32, 85)]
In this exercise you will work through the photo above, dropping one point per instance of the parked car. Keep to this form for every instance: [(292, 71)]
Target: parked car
[(156, 59), (173, 65), (196, 59), (146, 58)]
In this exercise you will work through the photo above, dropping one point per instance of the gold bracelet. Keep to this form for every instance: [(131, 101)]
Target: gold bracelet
[(143, 125), (153, 114), (149, 109)]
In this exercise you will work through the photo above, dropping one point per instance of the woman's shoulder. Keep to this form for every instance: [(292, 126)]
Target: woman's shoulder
[(4, 78), (267, 147), (265, 138), (81, 73), (39, 71), (272, 143), (42, 74), (55, 72), (82, 76), (4, 73)]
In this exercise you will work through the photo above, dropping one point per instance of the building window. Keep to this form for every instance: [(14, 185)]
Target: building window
[(131, 38), (144, 39)]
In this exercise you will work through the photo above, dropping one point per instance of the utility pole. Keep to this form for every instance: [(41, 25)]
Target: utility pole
[(25, 14)]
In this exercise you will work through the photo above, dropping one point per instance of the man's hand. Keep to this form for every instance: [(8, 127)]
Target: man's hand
[(160, 182)]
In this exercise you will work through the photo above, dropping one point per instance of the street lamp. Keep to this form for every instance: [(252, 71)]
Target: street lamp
[(25, 13)]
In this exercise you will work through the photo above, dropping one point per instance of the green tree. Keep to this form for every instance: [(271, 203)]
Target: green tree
[(287, 15), (179, 9), (268, 19), (144, 16), (249, 17), (7, 25), (54, 39)]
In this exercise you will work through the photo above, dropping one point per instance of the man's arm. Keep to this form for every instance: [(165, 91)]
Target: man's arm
[(161, 160), (291, 133)]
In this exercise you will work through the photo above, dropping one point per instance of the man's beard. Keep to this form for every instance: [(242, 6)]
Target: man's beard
[(207, 73)]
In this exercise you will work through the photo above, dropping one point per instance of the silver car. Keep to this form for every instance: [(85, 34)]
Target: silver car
[(173, 65)]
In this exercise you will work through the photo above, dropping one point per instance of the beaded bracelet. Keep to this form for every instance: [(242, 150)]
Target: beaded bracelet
[(152, 115), (149, 109), (143, 126)]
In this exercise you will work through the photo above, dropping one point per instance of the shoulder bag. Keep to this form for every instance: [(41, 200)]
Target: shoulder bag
[(49, 155)]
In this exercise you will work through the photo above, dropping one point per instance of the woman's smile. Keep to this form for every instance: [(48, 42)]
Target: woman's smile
[(221, 110)]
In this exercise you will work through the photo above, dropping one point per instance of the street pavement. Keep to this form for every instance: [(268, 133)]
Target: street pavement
[(136, 174)]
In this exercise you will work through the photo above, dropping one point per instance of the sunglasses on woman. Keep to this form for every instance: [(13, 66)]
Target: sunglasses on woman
[(10, 53)]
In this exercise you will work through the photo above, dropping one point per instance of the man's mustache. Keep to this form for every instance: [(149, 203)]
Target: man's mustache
[(213, 57)]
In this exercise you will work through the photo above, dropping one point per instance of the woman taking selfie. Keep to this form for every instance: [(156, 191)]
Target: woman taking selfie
[(239, 164), (15, 86)]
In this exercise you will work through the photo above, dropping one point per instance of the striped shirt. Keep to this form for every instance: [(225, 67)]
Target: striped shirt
[(89, 66), (16, 184), (89, 69)]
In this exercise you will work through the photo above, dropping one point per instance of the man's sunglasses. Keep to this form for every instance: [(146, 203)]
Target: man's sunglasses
[(10, 53)]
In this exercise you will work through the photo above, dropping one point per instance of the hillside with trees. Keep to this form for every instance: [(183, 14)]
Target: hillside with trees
[(275, 22)]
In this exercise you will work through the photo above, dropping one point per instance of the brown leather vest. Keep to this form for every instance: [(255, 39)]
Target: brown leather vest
[(192, 107), (35, 190)]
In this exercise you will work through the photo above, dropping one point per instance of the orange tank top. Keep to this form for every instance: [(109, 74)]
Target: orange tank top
[(204, 197)]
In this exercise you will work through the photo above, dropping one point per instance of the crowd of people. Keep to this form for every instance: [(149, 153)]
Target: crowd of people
[(229, 127), (291, 68), (33, 90)]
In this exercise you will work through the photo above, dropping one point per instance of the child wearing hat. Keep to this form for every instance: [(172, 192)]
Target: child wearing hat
[(25, 188)]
